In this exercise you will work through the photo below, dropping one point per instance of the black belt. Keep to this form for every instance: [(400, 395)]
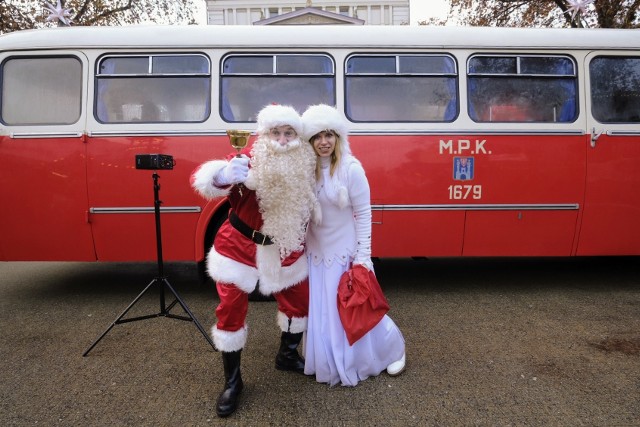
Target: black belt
[(254, 235)]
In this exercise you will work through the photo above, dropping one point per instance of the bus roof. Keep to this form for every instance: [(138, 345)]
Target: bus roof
[(322, 36)]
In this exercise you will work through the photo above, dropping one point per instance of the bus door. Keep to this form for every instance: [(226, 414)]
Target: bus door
[(43, 184), (610, 222), (521, 182)]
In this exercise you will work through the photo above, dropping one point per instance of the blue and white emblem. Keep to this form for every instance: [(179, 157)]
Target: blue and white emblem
[(463, 168)]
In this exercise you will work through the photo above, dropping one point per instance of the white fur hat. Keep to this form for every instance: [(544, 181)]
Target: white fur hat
[(324, 117), (273, 116)]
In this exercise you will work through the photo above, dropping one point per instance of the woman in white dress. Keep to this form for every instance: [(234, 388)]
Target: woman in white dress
[(339, 236)]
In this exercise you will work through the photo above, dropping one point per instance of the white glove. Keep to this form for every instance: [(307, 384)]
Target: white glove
[(235, 172)]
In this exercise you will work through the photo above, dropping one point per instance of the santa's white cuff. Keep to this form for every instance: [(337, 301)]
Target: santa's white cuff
[(203, 179), (298, 324), (228, 341)]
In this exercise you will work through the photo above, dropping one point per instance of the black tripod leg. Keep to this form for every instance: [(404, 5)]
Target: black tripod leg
[(117, 321), (191, 316), (161, 280)]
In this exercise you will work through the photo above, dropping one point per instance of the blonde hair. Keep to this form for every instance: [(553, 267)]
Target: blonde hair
[(336, 156)]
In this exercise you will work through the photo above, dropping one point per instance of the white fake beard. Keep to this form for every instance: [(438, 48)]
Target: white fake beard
[(285, 182)]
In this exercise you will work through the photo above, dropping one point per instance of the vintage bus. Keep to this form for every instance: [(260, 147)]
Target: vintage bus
[(476, 141)]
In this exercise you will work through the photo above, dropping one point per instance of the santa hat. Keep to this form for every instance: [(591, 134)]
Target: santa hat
[(324, 117), (273, 116)]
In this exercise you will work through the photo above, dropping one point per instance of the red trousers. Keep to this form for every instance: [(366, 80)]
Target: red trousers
[(293, 302)]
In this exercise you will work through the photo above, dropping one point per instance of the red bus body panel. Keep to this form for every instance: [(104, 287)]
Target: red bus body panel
[(611, 218), (125, 236), (44, 200), (522, 179)]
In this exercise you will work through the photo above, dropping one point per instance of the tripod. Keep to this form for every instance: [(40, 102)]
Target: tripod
[(161, 280)]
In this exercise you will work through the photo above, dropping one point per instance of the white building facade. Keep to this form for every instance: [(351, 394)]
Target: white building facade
[(248, 12)]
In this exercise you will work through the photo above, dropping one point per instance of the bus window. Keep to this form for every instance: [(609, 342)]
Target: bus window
[(401, 88), (249, 82), (615, 100), (153, 88), (519, 88), (41, 91)]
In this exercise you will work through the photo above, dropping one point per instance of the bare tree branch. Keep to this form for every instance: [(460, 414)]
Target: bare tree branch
[(26, 14)]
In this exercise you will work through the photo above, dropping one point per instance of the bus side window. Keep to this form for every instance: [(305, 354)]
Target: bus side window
[(153, 88), (519, 88), (249, 82), (615, 100), (41, 91), (401, 88)]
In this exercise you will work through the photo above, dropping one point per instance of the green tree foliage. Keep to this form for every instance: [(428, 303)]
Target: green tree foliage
[(542, 13), (28, 14)]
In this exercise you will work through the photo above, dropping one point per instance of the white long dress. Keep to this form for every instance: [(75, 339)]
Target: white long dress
[(331, 247)]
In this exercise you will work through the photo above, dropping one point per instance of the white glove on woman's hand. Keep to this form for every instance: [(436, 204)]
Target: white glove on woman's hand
[(234, 173)]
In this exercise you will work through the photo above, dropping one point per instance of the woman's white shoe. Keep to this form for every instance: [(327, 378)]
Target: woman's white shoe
[(396, 368)]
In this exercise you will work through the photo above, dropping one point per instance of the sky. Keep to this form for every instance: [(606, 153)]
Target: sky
[(424, 9)]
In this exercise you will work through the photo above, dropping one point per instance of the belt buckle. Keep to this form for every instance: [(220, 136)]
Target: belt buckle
[(253, 237)]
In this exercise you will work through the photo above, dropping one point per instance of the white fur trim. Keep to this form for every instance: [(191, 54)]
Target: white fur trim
[(325, 117), (275, 278), (269, 266), (298, 324), (228, 341), (250, 182), (273, 116), (203, 179), (224, 269)]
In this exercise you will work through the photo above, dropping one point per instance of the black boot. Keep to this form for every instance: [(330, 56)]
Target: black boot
[(233, 384), (288, 358)]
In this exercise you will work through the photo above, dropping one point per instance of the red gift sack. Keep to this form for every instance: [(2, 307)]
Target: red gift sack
[(361, 303)]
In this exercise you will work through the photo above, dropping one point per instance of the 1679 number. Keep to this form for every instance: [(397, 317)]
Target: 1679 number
[(462, 192)]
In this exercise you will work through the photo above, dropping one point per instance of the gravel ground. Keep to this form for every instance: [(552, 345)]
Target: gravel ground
[(498, 342)]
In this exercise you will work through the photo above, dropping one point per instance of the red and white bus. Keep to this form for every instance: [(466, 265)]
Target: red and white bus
[(476, 141)]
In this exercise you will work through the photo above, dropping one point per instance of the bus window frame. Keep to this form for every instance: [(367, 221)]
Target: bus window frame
[(455, 74), (575, 78), (274, 73), (589, 90), (150, 55), (33, 55)]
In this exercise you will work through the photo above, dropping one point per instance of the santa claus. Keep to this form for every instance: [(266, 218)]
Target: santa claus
[(271, 194)]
